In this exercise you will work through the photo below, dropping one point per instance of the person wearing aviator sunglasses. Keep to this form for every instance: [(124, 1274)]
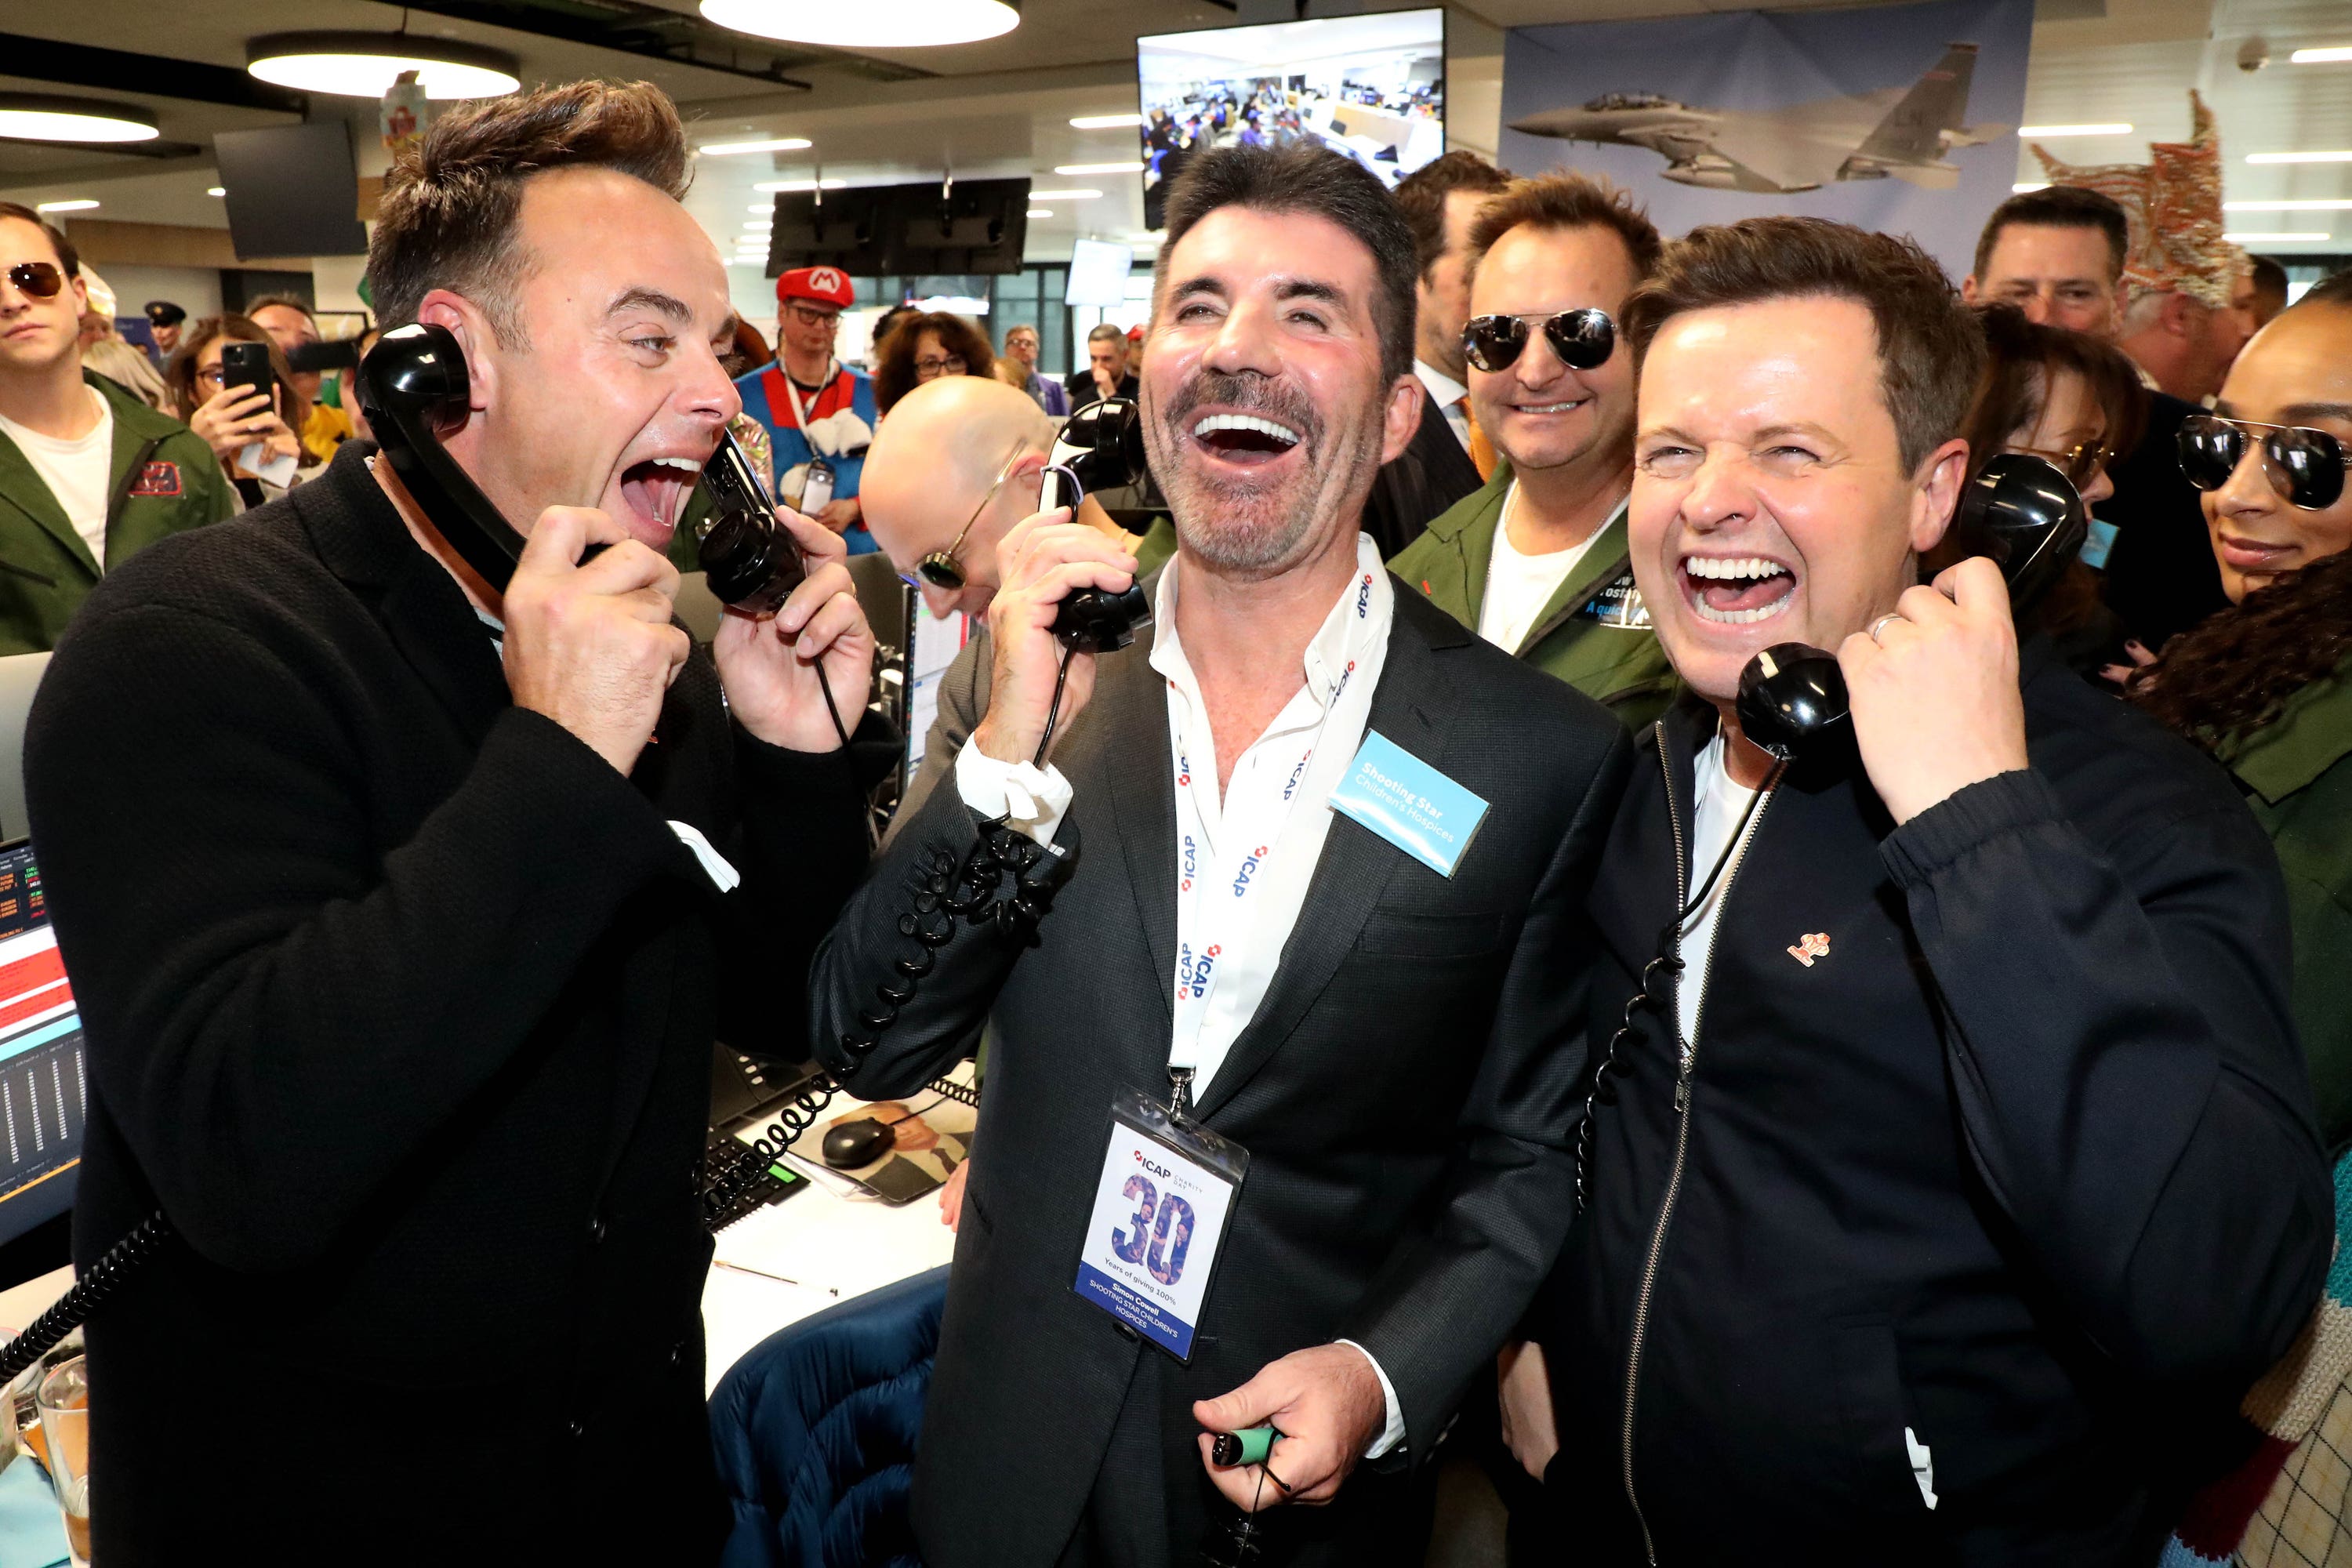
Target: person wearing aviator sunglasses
[(89, 474), (1536, 560)]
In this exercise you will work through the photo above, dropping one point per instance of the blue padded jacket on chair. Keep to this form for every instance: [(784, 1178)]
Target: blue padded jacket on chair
[(814, 1430)]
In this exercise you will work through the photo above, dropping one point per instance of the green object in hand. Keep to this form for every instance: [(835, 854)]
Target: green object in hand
[(1248, 1447)]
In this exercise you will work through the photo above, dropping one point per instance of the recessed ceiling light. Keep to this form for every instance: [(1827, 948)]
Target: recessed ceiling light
[(802, 186), (79, 205), (1105, 122), (1033, 212), (2331, 55), (216, 191), (759, 260), (2302, 238), (2023, 186), (772, 145), (1130, 166), (2320, 204), (761, 209), (365, 65), (37, 117), (2344, 157), (867, 24), (2116, 129), (1080, 196)]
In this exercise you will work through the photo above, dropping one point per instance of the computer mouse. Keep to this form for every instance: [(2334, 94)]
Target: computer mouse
[(851, 1144)]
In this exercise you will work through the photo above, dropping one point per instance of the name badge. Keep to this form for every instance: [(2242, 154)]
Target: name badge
[(1618, 605), (1410, 804), (2100, 539), (1161, 1204)]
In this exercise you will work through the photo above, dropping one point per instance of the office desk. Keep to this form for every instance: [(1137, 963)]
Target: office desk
[(825, 1242)]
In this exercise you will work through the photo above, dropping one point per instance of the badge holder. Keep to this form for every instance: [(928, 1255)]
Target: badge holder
[(1157, 1232)]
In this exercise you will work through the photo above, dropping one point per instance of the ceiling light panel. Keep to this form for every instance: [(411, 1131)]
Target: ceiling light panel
[(866, 23), (773, 144), (365, 65), (38, 117), (2116, 129)]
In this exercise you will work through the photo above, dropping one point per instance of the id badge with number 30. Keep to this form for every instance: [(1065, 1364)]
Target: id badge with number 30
[(1161, 1204)]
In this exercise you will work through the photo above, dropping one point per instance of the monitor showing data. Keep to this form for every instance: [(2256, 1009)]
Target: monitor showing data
[(43, 1087), (1371, 87)]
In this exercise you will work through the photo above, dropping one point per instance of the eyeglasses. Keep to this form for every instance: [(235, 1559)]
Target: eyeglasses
[(1583, 339), (940, 568), (939, 365), (40, 279), (808, 316), (2304, 465), (2080, 462)]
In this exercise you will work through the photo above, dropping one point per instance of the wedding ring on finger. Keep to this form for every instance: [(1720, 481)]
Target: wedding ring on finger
[(1880, 621)]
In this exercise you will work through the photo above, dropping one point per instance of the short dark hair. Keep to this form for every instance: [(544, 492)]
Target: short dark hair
[(2059, 206), (1930, 352), (69, 258), (1103, 330), (1567, 200), (452, 200), (1422, 197), (1305, 177)]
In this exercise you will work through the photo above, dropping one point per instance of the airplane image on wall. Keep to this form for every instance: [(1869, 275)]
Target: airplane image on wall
[(1902, 132)]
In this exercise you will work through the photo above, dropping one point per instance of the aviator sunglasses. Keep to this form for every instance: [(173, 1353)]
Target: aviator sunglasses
[(41, 280), (940, 568), (2303, 465), (1583, 339)]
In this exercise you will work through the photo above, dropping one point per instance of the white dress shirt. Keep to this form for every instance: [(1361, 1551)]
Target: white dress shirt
[(1448, 395), (1243, 860)]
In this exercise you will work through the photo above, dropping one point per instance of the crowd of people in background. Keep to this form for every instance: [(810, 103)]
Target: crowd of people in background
[(2208, 426)]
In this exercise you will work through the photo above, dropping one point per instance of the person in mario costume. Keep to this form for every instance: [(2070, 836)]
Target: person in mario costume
[(818, 412)]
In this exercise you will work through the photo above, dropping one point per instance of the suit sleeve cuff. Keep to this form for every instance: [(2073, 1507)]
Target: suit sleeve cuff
[(1393, 1428), (1966, 820), (1029, 798)]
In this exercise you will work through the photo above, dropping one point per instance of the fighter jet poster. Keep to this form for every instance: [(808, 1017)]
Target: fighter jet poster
[(1902, 118)]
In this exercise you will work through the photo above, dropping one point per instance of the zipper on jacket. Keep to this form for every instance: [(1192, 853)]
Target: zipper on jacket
[(1688, 1053)]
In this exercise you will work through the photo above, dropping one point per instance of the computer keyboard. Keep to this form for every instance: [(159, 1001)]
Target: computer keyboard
[(758, 1183)]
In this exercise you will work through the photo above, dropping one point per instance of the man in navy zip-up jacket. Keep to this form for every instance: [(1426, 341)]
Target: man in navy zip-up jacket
[(1966, 1160)]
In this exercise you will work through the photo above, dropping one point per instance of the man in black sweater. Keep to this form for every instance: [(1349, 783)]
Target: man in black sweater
[(1956, 1154), (403, 910)]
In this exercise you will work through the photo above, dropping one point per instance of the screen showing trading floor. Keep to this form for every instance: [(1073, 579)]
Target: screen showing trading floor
[(43, 1089)]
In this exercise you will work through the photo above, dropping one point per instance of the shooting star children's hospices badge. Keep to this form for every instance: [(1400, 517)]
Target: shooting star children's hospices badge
[(1161, 1204)]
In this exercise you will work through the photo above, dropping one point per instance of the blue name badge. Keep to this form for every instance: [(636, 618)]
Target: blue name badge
[(1410, 804), (2100, 539)]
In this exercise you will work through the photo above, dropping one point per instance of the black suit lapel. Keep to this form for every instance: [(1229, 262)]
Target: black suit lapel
[(1135, 770), (1356, 864)]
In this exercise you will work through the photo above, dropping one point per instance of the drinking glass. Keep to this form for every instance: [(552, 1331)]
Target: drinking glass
[(64, 1400)]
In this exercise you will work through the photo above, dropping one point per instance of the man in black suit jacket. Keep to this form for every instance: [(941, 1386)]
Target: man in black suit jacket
[(1421, 483), (400, 945), (1396, 1047), (1105, 367)]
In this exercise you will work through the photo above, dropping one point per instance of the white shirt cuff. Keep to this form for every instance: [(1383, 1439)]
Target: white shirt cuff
[(1393, 1433), (1028, 797)]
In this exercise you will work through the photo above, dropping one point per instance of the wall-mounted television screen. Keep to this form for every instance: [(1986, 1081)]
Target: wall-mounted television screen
[(974, 226), (1372, 86), (1098, 272)]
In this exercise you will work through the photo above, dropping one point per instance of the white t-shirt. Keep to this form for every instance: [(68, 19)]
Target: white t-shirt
[(75, 471), (1518, 586), (1721, 803)]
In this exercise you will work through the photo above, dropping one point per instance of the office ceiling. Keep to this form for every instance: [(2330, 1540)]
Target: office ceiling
[(1001, 106)]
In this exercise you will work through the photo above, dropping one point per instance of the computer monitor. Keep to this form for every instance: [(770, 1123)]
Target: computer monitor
[(43, 1088), (1372, 86)]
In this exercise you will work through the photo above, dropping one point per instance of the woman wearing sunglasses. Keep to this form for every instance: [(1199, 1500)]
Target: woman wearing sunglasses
[(2266, 685), (2075, 402), (251, 432)]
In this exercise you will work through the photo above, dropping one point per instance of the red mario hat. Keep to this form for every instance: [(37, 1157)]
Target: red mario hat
[(818, 285)]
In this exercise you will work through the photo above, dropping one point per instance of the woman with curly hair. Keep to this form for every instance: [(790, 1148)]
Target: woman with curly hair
[(2266, 686), (923, 348), (238, 423)]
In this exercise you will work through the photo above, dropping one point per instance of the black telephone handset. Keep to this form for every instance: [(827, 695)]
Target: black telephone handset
[(415, 388), (1100, 447), (2019, 511)]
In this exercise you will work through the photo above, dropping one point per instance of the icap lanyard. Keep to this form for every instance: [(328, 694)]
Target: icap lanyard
[(800, 412), (1220, 880)]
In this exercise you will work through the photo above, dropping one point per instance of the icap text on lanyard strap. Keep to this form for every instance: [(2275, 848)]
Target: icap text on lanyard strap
[(1219, 879)]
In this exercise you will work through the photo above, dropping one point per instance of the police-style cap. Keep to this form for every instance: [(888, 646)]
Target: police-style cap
[(163, 313), (818, 285)]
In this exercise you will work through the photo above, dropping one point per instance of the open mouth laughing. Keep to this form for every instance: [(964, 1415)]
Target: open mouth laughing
[(657, 489), (1737, 590), (1245, 440)]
